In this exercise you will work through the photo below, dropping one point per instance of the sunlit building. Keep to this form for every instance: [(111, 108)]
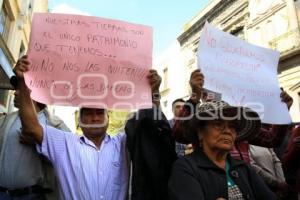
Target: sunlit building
[(15, 26), (268, 23)]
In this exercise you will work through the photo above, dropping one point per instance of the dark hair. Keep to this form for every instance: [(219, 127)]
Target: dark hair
[(192, 129), (40, 105), (177, 100)]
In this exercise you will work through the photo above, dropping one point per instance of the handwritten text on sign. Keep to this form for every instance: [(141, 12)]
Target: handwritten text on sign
[(245, 74), (89, 61)]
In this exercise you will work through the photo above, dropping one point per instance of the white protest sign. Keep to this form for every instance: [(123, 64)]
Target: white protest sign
[(245, 74)]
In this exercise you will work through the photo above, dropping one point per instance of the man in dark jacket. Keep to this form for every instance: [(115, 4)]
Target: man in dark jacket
[(151, 148), (291, 161)]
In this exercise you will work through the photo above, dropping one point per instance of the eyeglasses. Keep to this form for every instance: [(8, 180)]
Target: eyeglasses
[(220, 125)]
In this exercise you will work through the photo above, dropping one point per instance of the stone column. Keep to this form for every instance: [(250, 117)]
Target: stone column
[(291, 8), (293, 20)]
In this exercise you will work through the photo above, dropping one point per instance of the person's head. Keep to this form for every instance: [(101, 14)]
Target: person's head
[(93, 121), (38, 106), (177, 106), (217, 125), (218, 134)]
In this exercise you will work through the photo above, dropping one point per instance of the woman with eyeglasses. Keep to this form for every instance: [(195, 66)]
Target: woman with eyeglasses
[(209, 173)]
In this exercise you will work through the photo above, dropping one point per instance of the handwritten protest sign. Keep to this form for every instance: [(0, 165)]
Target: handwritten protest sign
[(245, 75), (89, 61)]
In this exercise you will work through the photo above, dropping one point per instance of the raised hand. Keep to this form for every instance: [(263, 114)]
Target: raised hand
[(22, 66), (286, 98), (154, 80)]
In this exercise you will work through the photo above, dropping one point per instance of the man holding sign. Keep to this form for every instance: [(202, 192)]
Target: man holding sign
[(34, 178), (95, 63), (93, 166)]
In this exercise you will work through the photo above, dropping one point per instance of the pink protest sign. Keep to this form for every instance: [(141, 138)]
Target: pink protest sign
[(89, 61)]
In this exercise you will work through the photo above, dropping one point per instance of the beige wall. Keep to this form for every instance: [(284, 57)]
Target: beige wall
[(171, 87), (20, 12), (287, 79), (278, 28)]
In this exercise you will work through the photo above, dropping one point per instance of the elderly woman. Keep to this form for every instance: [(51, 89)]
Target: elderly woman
[(210, 173)]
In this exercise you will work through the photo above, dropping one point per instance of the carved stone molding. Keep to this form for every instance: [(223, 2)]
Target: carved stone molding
[(229, 15), (258, 20), (210, 16)]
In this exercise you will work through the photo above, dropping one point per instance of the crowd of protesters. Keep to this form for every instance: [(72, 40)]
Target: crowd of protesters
[(204, 156)]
